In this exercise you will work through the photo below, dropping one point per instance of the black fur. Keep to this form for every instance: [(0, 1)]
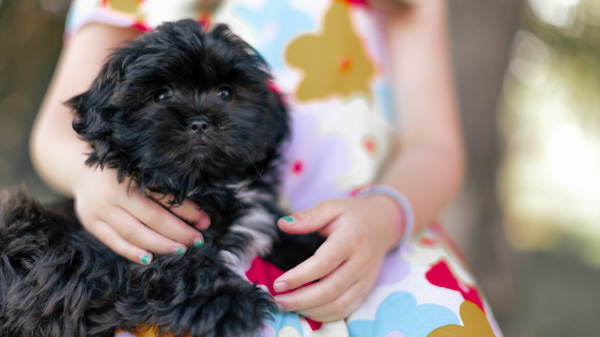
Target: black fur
[(179, 111)]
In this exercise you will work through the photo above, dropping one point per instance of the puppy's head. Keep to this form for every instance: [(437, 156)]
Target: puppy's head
[(182, 105)]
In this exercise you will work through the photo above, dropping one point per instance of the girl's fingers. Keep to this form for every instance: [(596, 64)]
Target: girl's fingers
[(328, 257), (319, 293), (325, 260), (113, 240), (137, 234), (187, 210), (153, 215), (313, 219), (339, 308), (190, 213)]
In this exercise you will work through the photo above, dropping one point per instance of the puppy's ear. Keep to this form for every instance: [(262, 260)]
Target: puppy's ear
[(94, 110), (279, 128)]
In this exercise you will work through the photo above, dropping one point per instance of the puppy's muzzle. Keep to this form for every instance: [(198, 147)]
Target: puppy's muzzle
[(198, 125)]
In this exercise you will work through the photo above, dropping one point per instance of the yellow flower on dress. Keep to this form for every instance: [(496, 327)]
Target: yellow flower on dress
[(124, 6), (334, 61), (144, 331), (474, 320)]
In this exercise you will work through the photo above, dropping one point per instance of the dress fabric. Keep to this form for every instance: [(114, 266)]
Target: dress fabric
[(328, 59)]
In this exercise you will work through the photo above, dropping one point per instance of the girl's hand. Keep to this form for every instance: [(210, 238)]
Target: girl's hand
[(131, 223), (359, 231)]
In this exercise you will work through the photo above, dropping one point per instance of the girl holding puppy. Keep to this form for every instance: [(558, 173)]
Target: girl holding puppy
[(375, 156)]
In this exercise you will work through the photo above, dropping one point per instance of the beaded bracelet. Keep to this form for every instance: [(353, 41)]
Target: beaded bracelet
[(404, 204)]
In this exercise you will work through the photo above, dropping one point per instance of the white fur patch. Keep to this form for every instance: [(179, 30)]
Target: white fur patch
[(257, 223), (235, 263), (248, 195), (254, 225)]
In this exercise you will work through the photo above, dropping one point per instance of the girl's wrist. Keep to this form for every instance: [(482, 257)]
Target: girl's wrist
[(403, 217), (388, 219)]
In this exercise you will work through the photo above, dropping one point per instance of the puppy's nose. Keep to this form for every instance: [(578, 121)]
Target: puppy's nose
[(198, 125)]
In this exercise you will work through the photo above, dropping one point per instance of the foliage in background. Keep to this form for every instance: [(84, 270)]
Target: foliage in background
[(550, 180)]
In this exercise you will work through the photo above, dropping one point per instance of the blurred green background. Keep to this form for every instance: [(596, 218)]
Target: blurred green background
[(528, 218)]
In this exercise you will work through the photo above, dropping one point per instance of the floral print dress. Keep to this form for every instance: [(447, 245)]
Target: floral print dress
[(328, 59)]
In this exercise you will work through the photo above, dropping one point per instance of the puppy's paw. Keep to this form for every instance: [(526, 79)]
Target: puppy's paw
[(228, 310), (201, 297), (234, 309)]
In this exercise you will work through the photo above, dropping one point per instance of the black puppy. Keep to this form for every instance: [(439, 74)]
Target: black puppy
[(180, 111)]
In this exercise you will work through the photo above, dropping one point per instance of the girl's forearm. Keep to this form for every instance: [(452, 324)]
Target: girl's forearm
[(429, 162), (56, 151)]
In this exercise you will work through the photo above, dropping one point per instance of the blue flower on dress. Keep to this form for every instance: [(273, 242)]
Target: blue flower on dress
[(276, 23), (385, 108), (282, 319), (399, 315)]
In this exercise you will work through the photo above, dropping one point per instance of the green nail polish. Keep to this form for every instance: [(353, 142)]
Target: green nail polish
[(199, 243), (145, 259), (179, 251), (288, 219)]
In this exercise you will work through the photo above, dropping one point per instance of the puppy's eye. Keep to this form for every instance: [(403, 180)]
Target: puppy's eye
[(163, 95), (225, 93)]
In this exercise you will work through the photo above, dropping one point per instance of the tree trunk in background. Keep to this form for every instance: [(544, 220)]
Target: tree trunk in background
[(481, 37), (30, 41)]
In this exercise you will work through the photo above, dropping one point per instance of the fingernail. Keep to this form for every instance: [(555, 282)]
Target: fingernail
[(280, 286), (203, 224), (198, 242), (178, 250), (288, 219), (145, 258), (280, 305)]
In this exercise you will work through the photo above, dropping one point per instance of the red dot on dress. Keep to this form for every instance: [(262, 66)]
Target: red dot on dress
[(297, 167), (344, 63), (370, 145)]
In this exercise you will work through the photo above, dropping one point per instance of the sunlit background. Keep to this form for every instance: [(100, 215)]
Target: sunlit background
[(550, 180), (528, 76)]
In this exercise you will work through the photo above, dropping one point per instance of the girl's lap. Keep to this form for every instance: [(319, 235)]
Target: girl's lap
[(424, 289)]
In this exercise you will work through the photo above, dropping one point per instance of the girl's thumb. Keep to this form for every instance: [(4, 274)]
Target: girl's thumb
[(313, 219)]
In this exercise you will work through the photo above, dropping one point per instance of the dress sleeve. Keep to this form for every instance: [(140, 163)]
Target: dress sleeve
[(141, 14)]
